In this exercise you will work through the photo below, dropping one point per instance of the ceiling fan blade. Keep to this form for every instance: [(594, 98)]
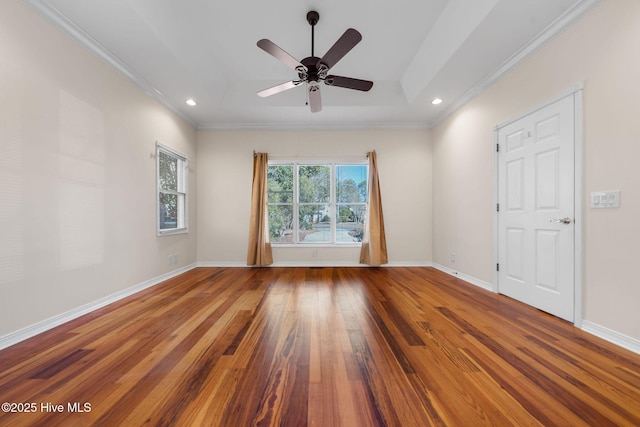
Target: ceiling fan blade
[(349, 83), (340, 48), (315, 100), (279, 88), (277, 52)]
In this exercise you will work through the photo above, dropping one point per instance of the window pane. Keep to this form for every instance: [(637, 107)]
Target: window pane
[(327, 211), (181, 175), (181, 212), (351, 183), (168, 171), (172, 191), (314, 183), (350, 223), (281, 223), (168, 211), (280, 183), (314, 222)]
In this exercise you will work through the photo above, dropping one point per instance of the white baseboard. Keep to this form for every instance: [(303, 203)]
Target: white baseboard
[(612, 336), (221, 264), (40, 327), (606, 334), (8, 340), (408, 264), (317, 264), (480, 283)]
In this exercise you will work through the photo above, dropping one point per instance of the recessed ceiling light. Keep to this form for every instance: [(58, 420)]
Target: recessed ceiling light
[(437, 101), (191, 102)]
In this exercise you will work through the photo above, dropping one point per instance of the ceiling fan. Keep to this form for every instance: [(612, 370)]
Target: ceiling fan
[(312, 70)]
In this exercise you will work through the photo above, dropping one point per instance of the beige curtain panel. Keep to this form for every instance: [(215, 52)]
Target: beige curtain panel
[(259, 251), (374, 242)]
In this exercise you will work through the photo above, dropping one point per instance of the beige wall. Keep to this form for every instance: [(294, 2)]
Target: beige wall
[(224, 190), (77, 176), (601, 50)]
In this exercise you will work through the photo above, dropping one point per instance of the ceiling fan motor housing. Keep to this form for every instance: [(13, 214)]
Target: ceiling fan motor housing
[(311, 75)]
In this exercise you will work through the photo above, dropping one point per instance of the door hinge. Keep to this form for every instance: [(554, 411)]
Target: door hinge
[(498, 267), (497, 207), (497, 148)]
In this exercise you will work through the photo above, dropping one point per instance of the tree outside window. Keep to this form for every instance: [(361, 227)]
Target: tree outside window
[(317, 203), (172, 191)]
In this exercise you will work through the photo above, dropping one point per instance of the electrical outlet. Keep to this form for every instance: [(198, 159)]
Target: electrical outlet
[(452, 257)]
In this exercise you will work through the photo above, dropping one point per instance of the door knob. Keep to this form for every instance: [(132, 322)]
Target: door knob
[(565, 220)]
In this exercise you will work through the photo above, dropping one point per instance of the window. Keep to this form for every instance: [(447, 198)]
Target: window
[(317, 203), (172, 191)]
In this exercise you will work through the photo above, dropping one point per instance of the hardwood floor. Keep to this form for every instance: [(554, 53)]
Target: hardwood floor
[(318, 347)]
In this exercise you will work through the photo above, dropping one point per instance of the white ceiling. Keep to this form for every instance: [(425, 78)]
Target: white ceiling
[(413, 50)]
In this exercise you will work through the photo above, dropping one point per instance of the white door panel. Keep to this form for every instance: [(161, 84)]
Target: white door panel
[(536, 191)]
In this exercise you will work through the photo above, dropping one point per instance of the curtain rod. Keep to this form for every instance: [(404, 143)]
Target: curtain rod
[(313, 156)]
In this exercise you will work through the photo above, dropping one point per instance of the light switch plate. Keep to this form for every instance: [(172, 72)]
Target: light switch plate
[(605, 199)]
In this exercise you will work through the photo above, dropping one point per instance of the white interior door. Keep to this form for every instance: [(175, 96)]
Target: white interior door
[(536, 219)]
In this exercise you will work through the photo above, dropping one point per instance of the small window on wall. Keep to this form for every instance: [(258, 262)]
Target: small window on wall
[(172, 191)]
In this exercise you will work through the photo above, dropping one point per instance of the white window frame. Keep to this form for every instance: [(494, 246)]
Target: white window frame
[(332, 163), (182, 192)]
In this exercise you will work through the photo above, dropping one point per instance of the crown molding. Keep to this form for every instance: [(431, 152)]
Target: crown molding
[(52, 15), (313, 126), (558, 26)]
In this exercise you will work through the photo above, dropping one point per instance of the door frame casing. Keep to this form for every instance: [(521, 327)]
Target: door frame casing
[(577, 92)]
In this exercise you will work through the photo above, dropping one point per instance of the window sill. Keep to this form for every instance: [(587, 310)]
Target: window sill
[(316, 245), (173, 231)]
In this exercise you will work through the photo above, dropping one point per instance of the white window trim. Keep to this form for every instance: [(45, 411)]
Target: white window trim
[(185, 173), (332, 162)]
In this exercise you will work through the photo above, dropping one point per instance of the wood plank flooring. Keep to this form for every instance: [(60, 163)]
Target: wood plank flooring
[(318, 347)]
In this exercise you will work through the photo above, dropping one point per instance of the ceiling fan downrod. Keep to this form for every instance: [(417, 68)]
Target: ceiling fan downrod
[(312, 18)]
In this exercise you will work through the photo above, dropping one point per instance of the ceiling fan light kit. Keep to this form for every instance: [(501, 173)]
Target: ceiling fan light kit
[(312, 70)]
